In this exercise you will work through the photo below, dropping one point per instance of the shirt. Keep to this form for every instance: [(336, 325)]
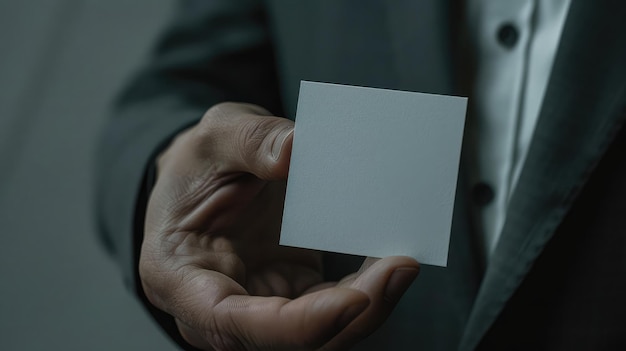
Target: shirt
[(515, 42)]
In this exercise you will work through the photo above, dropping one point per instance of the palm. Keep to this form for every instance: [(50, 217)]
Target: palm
[(264, 267)]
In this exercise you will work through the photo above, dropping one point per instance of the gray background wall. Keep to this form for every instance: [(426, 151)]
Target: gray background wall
[(61, 61)]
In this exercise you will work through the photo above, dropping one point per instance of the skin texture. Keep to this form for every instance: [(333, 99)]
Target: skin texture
[(211, 258)]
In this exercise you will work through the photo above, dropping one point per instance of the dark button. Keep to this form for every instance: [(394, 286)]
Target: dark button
[(508, 35), (482, 194)]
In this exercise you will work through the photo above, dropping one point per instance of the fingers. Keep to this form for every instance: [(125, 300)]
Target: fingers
[(305, 323), (245, 138), (215, 317), (218, 313), (384, 281)]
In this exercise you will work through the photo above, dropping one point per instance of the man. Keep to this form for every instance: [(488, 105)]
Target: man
[(537, 257)]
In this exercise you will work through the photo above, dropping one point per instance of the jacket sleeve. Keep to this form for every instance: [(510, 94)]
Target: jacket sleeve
[(213, 51)]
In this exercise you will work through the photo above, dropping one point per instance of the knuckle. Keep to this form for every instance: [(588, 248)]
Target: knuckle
[(213, 121)]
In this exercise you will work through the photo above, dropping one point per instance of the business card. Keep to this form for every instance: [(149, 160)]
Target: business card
[(373, 172)]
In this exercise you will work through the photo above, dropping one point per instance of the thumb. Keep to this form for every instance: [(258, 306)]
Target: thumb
[(244, 138)]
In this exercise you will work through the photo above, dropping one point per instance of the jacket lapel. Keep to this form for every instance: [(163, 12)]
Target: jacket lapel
[(584, 107)]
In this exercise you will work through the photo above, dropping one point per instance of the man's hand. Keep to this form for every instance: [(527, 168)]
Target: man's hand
[(211, 258)]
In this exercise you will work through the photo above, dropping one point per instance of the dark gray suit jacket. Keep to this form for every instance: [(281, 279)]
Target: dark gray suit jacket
[(557, 278)]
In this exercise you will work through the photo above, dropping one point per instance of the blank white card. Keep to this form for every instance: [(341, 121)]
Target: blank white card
[(373, 172)]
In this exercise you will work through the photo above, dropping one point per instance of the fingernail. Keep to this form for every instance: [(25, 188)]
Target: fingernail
[(279, 141), (399, 282)]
